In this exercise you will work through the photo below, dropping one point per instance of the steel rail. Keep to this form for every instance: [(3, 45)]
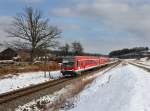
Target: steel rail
[(12, 95), (143, 66), (5, 97)]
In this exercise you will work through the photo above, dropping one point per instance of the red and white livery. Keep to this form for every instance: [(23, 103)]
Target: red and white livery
[(74, 65)]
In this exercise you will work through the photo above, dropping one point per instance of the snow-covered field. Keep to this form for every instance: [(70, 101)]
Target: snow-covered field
[(125, 88), (23, 80), (145, 61)]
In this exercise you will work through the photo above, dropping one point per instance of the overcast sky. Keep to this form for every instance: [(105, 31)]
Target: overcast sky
[(100, 25)]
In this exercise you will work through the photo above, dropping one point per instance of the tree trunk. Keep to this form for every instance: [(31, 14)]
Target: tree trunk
[(32, 55)]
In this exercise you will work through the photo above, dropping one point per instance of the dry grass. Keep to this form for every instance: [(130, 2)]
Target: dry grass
[(61, 97), (77, 87), (14, 69)]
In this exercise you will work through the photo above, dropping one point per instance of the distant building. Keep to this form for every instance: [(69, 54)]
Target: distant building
[(23, 55), (8, 54)]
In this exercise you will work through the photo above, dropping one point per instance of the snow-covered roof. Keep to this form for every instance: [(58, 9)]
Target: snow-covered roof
[(2, 48)]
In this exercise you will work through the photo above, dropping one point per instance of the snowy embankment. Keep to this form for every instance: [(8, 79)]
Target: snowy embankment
[(125, 88), (26, 79), (145, 61)]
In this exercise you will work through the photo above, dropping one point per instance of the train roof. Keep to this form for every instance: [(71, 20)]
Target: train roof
[(83, 57)]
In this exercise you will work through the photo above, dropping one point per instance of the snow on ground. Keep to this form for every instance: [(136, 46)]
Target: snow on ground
[(26, 79), (126, 88), (48, 100), (58, 96), (145, 61)]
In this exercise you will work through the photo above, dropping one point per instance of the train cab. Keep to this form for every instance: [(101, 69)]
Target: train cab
[(68, 66)]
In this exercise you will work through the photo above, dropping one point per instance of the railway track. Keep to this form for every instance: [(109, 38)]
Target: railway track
[(6, 98), (141, 65)]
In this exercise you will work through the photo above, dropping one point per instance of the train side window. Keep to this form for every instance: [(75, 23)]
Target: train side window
[(81, 64), (85, 62), (78, 64), (91, 61)]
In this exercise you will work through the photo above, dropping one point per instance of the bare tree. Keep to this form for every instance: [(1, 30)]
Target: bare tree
[(77, 48), (33, 31), (65, 49)]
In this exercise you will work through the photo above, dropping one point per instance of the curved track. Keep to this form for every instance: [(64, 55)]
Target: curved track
[(23, 92)]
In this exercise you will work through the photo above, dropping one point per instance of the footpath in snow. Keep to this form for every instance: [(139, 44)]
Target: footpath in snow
[(125, 88), (26, 79)]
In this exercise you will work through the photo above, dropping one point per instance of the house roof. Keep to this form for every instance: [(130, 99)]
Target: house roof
[(2, 48)]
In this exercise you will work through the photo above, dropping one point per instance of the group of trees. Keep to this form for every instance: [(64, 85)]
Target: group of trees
[(74, 48), (31, 31), (118, 53), (34, 33)]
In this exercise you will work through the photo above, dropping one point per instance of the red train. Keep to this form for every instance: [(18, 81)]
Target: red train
[(75, 65)]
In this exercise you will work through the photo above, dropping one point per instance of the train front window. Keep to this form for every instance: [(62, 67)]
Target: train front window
[(68, 62), (68, 65)]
